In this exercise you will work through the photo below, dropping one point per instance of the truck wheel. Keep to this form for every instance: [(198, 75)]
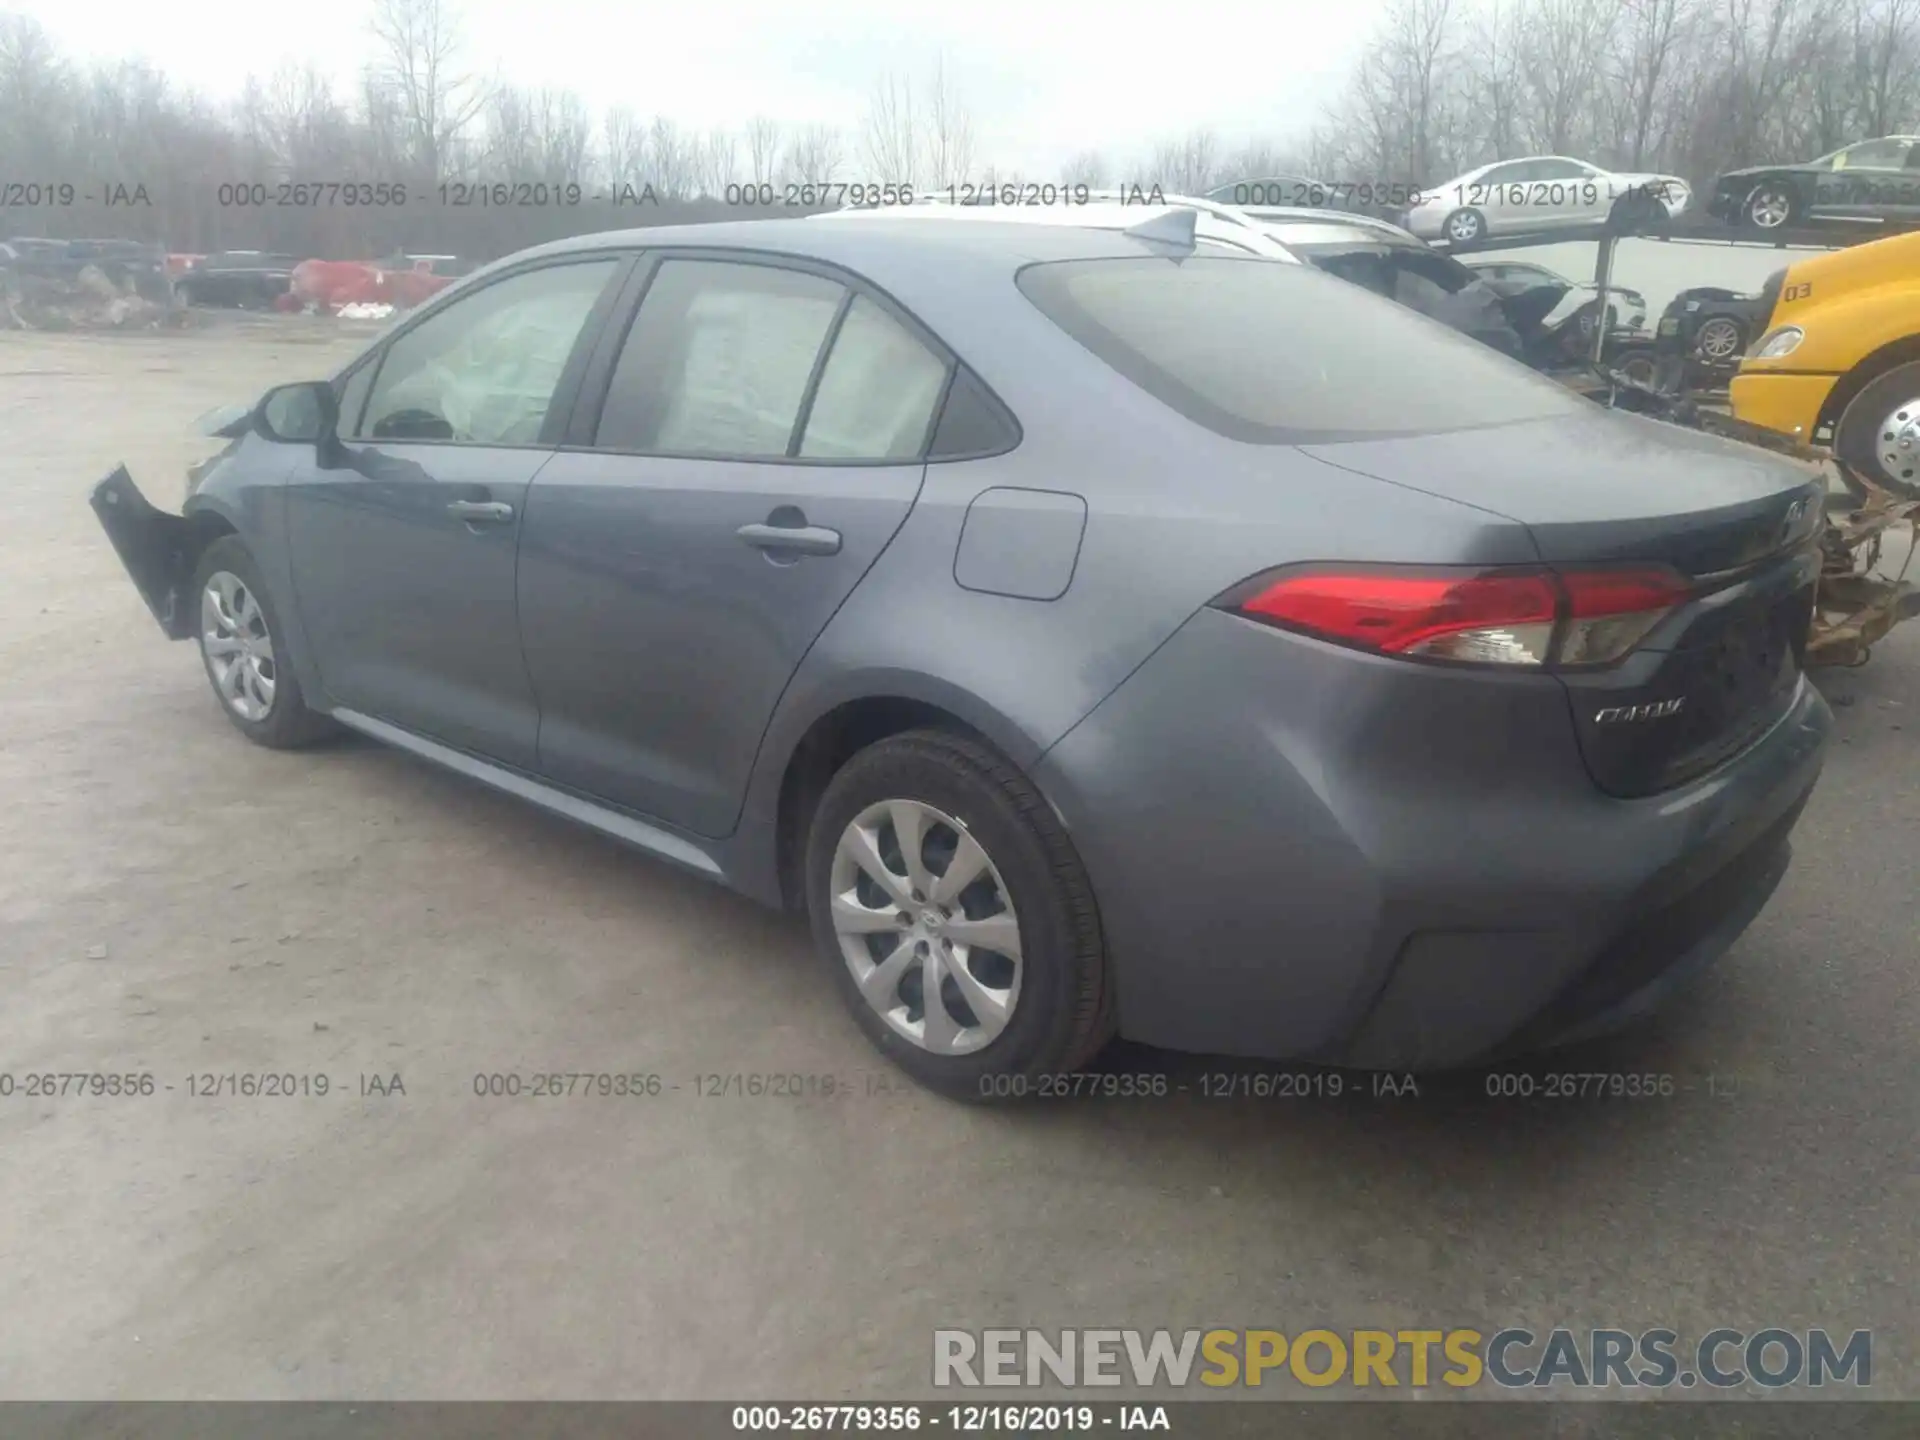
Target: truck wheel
[(1879, 433)]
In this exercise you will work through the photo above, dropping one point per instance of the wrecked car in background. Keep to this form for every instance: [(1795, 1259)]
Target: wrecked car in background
[(84, 285), (240, 279), (330, 285)]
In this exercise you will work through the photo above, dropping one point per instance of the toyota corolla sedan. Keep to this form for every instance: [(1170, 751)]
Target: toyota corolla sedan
[(1089, 634)]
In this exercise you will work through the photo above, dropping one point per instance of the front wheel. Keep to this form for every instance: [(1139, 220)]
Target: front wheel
[(1771, 206), (1720, 341), (243, 648), (1879, 433), (956, 917), (1464, 227)]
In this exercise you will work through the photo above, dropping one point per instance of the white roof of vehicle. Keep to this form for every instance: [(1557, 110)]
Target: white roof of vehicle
[(1212, 223)]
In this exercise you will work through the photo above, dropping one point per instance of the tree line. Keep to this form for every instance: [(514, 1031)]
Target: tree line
[(1689, 87)]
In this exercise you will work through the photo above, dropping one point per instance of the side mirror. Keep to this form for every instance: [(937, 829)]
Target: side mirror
[(303, 414)]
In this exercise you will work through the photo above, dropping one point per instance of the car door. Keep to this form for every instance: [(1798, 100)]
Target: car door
[(1579, 194), (761, 439), (1499, 194), (1864, 181), (402, 537)]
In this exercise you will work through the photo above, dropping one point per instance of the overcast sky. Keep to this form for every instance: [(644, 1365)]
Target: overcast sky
[(1042, 82)]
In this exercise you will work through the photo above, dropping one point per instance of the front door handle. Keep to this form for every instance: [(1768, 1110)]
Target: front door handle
[(481, 512), (795, 539)]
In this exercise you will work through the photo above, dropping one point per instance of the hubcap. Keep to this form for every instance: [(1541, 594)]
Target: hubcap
[(1464, 226), (1770, 208), (238, 647), (1899, 441), (1719, 339), (926, 926)]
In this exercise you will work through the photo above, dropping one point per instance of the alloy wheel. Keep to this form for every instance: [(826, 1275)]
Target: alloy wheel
[(1464, 226), (926, 926), (1770, 208), (238, 646), (1898, 447), (1719, 340)]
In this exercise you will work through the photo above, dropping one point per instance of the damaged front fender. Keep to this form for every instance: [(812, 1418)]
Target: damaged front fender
[(158, 549)]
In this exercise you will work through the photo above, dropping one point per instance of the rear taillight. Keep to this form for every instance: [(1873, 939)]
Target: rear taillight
[(1469, 616)]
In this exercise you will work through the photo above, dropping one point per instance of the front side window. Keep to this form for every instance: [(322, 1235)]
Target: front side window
[(718, 361), (484, 370), (877, 393)]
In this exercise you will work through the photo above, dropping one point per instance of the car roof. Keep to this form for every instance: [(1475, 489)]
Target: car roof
[(1212, 222)]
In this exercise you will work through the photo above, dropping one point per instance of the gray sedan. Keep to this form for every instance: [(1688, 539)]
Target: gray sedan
[(1089, 634)]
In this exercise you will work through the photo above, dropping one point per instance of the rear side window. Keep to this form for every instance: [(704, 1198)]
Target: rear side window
[(877, 394), (1279, 354), (718, 360)]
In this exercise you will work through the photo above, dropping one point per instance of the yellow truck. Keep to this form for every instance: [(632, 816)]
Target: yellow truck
[(1838, 362)]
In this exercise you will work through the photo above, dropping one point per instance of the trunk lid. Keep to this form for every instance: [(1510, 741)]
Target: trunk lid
[(1610, 489)]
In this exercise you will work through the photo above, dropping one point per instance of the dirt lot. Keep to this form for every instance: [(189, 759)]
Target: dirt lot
[(177, 903)]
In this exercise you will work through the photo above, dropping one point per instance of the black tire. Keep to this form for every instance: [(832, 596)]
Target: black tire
[(1862, 435), (1476, 227), (1762, 195), (288, 723), (1720, 325), (1063, 1013)]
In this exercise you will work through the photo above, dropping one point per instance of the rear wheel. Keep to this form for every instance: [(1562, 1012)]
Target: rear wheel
[(1879, 434), (244, 651), (956, 917)]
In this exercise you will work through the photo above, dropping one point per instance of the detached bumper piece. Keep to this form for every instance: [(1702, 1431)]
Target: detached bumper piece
[(154, 546)]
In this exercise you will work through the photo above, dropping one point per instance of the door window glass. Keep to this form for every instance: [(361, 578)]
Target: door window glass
[(484, 370), (718, 360), (877, 393)]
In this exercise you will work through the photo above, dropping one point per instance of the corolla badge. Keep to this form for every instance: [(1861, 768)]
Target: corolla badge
[(1652, 710)]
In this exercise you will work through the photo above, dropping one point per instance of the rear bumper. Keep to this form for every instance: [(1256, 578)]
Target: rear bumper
[(1310, 854), (1790, 404)]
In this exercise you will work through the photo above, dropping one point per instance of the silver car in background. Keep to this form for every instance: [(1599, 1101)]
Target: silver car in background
[(1535, 194)]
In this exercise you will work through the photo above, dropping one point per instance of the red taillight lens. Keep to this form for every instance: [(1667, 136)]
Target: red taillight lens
[(1486, 617)]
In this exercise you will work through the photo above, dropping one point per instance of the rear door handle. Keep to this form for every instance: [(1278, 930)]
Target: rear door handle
[(796, 539), (481, 512)]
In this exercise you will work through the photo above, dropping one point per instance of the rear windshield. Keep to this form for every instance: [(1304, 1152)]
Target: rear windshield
[(1282, 355)]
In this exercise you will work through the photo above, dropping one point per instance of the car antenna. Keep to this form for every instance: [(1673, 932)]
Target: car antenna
[(1171, 227)]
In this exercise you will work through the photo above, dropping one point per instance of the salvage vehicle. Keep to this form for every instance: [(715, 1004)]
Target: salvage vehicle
[(1568, 313), (134, 266), (240, 279), (1874, 182), (1708, 328), (1531, 195), (1840, 360), (992, 594)]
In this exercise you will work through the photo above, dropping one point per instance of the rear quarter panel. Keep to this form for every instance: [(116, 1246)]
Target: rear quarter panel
[(1175, 515)]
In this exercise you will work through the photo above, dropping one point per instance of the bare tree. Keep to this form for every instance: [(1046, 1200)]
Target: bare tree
[(1646, 58), (1088, 168), (420, 45), (890, 138), (1562, 46), (813, 156), (1188, 165), (949, 130), (716, 161), (763, 149)]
